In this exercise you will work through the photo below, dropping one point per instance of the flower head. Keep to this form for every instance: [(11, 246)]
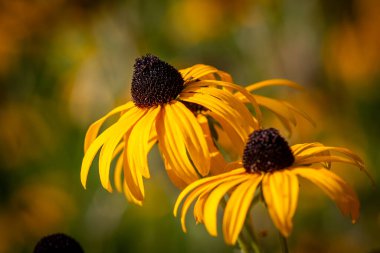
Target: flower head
[(271, 166), (160, 113)]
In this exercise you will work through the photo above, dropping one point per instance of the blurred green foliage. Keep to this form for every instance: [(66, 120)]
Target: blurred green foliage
[(63, 64)]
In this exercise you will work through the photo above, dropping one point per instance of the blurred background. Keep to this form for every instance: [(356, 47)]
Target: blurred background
[(64, 64)]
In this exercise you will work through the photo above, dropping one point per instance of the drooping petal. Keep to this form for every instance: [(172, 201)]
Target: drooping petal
[(217, 161), (280, 190), (199, 182), (227, 117), (140, 142), (237, 207), (231, 87), (277, 107), (135, 157), (93, 130), (312, 151), (134, 184), (211, 205), (273, 82), (192, 191), (284, 111), (228, 98), (172, 145), (127, 120), (199, 207), (118, 174), (299, 112), (129, 195), (117, 134), (176, 180), (326, 158), (193, 136), (335, 187)]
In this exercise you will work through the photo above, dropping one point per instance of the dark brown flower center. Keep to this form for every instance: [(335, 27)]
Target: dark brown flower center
[(154, 82), (266, 151), (58, 243)]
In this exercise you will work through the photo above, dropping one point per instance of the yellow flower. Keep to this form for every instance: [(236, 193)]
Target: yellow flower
[(159, 113), (271, 165)]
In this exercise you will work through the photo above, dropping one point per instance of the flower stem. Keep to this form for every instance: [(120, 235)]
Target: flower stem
[(243, 245), (247, 239), (284, 244), (246, 243)]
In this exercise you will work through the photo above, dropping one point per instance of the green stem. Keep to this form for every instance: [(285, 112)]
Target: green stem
[(243, 245), (284, 244), (248, 241)]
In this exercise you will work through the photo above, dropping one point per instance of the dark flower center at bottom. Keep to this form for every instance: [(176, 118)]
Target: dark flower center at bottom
[(266, 151), (58, 243)]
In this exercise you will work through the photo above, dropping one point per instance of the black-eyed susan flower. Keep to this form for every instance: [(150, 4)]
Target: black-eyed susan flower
[(159, 113), (269, 164)]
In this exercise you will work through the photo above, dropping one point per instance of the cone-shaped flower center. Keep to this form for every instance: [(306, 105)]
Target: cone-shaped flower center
[(57, 243), (266, 151), (154, 82)]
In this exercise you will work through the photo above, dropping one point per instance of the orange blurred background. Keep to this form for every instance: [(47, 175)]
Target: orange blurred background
[(63, 64)]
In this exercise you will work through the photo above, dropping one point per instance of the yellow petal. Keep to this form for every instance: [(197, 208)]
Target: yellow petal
[(299, 148), (135, 157), (231, 86), (139, 141), (237, 207), (280, 191), (299, 112), (197, 71), (193, 136), (276, 106), (129, 196), (203, 188), (192, 191), (176, 180), (201, 71), (217, 161), (93, 130), (199, 182), (119, 130), (273, 82), (103, 138), (328, 158), (172, 145), (132, 177), (118, 178), (335, 187), (211, 205), (199, 207), (314, 150), (227, 117)]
